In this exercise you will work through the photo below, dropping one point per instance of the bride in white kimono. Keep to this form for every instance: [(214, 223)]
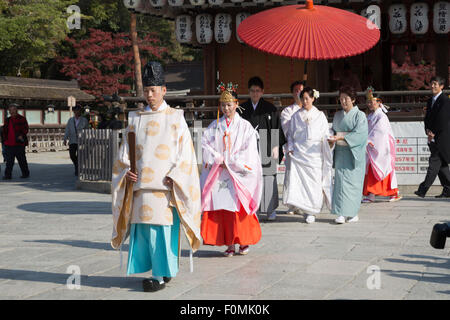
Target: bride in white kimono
[(309, 180)]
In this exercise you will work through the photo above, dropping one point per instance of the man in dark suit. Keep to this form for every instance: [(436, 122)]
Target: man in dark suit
[(264, 117), (437, 128)]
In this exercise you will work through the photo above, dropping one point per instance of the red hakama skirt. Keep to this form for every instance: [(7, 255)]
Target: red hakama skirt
[(378, 188), (223, 227)]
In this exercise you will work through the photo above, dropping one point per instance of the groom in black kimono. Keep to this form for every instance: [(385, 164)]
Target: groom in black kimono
[(264, 117)]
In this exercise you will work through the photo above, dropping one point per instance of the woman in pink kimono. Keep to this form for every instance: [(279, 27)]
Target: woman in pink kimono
[(380, 176), (231, 179)]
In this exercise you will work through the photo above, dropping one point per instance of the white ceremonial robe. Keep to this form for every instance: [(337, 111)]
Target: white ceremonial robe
[(381, 157), (309, 179), (240, 183)]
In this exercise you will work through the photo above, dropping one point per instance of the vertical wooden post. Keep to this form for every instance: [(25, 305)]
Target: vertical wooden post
[(137, 58)]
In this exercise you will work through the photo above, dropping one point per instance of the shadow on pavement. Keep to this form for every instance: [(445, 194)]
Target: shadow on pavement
[(68, 207), (433, 277), (82, 244), (47, 177), (131, 283)]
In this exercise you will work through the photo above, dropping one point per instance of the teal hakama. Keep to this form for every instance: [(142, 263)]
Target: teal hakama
[(349, 162), (155, 247)]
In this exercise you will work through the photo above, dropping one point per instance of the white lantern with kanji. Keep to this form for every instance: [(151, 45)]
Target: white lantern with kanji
[(397, 19), (158, 3), (132, 4), (215, 2), (203, 28), (441, 17), (175, 3), (222, 27), (183, 28), (197, 2), (419, 18), (241, 16), (373, 13)]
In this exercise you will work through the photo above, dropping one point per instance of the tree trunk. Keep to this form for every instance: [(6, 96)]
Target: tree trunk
[(137, 58)]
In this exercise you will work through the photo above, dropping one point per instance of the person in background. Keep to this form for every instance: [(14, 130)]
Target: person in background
[(73, 128), (15, 140), (380, 179), (263, 115), (437, 129)]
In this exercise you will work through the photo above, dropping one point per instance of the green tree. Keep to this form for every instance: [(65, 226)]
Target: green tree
[(30, 32)]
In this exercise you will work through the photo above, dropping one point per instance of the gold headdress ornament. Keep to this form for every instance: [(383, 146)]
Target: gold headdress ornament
[(226, 94), (369, 96)]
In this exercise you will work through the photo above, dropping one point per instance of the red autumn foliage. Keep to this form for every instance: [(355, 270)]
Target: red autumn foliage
[(104, 62)]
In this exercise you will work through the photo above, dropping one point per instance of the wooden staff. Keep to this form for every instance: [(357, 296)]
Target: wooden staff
[(132, 145)]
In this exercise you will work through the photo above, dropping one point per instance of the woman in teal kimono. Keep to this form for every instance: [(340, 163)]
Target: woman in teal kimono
[(351, 131)]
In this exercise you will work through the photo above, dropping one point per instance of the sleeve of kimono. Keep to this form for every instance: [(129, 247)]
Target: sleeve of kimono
[(186, 186), (122, 195), (327, 164), (290, 136), (210, 155), (357, 138), (242, 160)]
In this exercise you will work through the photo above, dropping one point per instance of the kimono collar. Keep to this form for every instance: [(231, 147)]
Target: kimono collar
[(309, 115), (148, 110), (354, 109), (223, 122)]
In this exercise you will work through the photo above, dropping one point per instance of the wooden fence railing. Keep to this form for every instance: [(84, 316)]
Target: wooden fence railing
[(45, 139), (96, 151)]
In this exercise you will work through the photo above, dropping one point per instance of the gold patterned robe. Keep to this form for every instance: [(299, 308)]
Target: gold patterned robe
[(164, 148)]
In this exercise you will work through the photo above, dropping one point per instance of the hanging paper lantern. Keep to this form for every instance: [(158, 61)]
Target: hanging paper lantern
[(399, 55), (397, 18), (373, 13), (215, 2), (183, 28), (175, 3), (222, 27), (131, 4), (419, 18), (441, 16), (203, 28), (158, 3), (197, 2), (241, 16)]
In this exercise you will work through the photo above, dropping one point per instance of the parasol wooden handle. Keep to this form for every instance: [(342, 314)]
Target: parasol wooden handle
[(132, 145)]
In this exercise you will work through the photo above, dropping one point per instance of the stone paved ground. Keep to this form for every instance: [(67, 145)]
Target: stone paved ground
[(47, 226)]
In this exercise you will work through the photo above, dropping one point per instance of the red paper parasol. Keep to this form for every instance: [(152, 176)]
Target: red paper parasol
[(309, 32)]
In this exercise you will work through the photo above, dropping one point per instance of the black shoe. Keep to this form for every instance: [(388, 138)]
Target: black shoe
[(443, 195), (6, 178), (167, 279), (24, 176), (152, 285), (417, 193)]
